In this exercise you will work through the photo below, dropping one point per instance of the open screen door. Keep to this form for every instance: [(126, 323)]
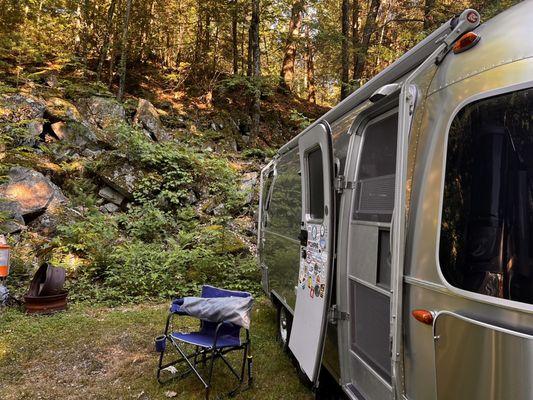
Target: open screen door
[(316, 247)]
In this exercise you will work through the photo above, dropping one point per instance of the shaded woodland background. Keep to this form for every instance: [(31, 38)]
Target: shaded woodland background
[(319, 50)]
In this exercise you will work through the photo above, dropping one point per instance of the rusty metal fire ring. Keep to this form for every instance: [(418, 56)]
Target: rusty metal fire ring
[(47, 281), (46, 304)]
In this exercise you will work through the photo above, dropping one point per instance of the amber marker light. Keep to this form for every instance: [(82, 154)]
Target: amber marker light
[(424, 316), (466, 42)]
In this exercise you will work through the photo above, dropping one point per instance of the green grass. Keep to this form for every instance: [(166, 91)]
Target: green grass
[(107, 353)]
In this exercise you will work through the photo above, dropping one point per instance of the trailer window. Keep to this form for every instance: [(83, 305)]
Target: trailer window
[(316, 184), (374, 200), (285, 205), (486, 240)]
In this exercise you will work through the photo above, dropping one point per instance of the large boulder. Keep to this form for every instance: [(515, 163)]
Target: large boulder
[(77, 135), (31, 191), (22, 110), (147, 118), (11, 220), (58, 109), (102, 111), (119, 174)]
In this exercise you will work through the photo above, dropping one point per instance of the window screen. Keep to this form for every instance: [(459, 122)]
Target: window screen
[(486, 242), (374, 199), (315, 181), (370, 327)]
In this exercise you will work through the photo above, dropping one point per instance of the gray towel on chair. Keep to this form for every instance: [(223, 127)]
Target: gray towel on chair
[(236, 310)]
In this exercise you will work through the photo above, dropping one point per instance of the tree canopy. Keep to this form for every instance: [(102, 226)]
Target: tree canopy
[(309, 47)]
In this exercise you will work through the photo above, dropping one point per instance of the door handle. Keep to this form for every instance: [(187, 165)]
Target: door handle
[(303, 237)]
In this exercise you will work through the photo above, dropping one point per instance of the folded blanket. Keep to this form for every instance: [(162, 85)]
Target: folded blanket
[(236, 310)]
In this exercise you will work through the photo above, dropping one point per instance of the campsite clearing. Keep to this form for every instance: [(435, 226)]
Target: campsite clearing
[(93, 352)]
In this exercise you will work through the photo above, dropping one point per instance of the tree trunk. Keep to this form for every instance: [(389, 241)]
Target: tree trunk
[(428, 8), (147, 29), (124, 51), (289, 55), (85, 32), (368, 30), (345, 55), (198, 46), (256, 70), (355, 32), (234, 38), (243, 41), (107, 34), (310, 66), (207, 32)]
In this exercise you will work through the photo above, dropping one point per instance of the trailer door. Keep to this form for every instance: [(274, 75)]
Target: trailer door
[(316, 248)]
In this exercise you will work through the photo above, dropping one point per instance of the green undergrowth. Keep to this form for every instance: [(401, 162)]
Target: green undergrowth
[(159, 245)]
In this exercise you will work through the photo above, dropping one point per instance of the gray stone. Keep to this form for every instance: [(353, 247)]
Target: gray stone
[(219, 210), (102, 111), (120, 175), (111, 195), (58, 109), (148, 119), (14, 222), (109, 207), (248, 182), (31, 190), (191, 197), (22, 108), (91, 153)]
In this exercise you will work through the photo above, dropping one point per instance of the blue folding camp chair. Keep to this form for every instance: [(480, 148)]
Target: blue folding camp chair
[(212, 341)]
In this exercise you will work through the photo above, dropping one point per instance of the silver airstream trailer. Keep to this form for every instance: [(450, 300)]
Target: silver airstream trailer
[(396, 232)]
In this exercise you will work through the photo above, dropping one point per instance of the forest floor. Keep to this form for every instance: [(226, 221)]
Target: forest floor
[(93, 352)]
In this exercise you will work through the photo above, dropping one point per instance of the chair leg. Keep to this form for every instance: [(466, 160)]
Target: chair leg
[(211, 365), (250, 363), (196, 352), (159, 366)]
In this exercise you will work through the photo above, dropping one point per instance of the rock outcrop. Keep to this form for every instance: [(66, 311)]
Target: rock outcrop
[(22, 110), (248, 183), (119, 174), (28, 195), (147, 118), (102, 111), (111, 195), (31, 190), (58, 109)]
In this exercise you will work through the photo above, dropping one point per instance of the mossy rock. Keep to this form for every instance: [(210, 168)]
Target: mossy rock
[(225, 241), (58, 109), (119, 174)]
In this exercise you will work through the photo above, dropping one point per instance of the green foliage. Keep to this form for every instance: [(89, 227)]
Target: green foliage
[(249, 86), (150, 260), (301, 120), (75, 90), (176, 170), (259, 153), (147, 223)]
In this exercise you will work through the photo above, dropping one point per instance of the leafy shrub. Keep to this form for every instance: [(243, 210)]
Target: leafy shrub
[(146, 222), (147, 253), (259, 153), (301, 120), (176, 171), (250, 86)]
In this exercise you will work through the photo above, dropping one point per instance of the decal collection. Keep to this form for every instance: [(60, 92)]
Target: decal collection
[(313, 268)]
